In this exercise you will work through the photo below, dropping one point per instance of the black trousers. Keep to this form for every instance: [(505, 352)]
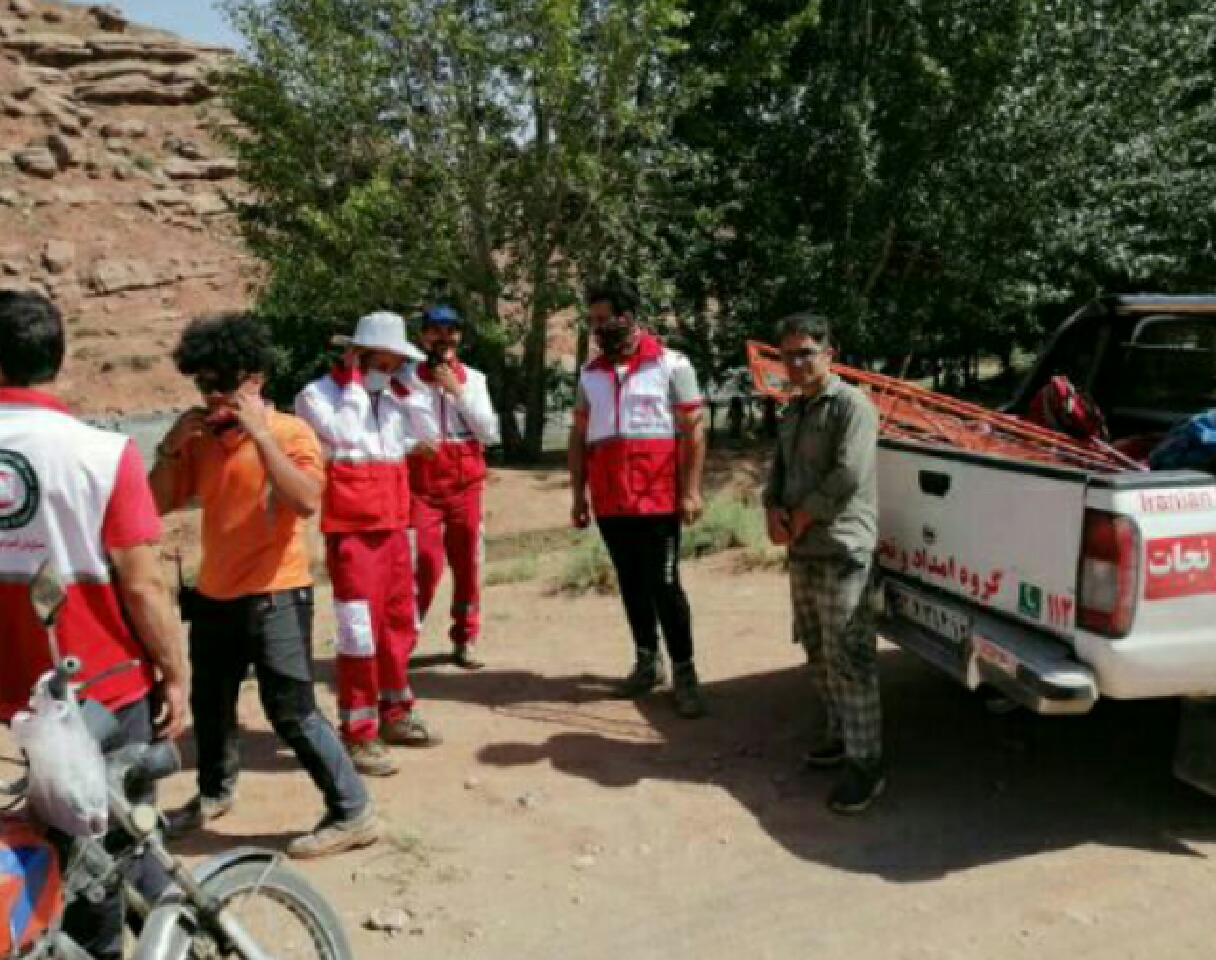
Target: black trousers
[(273, 633), (646, 554), (98, 927)]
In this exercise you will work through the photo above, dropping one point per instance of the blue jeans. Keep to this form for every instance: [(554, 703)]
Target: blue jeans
[(273, 633)]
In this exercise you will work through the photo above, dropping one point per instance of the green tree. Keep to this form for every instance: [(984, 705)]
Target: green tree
[(834, 126), (496, 153), (943, 176)]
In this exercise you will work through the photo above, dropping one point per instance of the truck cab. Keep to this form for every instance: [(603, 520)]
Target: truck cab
[(1147, 361)]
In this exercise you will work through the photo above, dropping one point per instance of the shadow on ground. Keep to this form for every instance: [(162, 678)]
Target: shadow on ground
[(965, 789)]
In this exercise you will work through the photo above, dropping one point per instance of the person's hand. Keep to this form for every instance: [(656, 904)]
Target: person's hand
[(800, 523), (580, 512), (778, 522), (190, 425), (448, 382), (691, 508), (253, 414), (425, 449), (169, 709)]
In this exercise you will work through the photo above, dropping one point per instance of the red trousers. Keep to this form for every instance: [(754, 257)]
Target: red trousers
[(450, 527), (373, 580)]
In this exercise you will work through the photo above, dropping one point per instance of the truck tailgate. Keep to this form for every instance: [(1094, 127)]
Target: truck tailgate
[(1171, 647), (1004, 535)]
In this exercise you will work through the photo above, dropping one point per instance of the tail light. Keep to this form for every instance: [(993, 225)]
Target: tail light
[(1109, 577)]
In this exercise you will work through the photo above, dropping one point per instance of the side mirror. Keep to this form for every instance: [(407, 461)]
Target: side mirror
[(47, 594)]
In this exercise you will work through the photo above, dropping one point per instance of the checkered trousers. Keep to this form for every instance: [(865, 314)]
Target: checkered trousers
[(834, 622)]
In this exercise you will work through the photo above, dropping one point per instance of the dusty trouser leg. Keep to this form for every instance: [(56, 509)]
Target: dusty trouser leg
[(465, 548), (850, 646), (808, 579), (397, 629), (427, 534), (354, 568), (627, 549), (285, 683), (219, 663), (661, 566)]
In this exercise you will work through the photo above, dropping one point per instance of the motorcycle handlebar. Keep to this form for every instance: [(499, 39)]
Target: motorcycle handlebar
[(156, 762), (135, 764), (65, 670), (102, 725)]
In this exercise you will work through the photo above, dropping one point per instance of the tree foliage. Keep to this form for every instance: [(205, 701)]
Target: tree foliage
[(941, 177), (489, 152)]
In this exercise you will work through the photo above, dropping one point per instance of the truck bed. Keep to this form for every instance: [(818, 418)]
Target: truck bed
[(981, 556)]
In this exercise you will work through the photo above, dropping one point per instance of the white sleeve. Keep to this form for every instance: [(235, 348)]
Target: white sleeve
[(478, 412), (315, 409)]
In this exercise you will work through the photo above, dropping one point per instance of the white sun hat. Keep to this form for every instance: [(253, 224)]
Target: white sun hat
[(382, 331)]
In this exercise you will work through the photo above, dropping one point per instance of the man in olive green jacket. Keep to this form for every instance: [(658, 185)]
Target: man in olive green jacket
[(821, 501)]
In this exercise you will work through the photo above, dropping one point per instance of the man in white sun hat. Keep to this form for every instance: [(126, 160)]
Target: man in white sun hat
[(359, 412)]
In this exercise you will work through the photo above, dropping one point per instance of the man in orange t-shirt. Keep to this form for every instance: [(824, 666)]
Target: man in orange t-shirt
[(258, 476)]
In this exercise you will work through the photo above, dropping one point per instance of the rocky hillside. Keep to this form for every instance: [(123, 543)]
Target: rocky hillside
[(116, 197)]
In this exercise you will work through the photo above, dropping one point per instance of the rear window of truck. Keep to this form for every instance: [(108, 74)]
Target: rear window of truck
[(1168, 365)]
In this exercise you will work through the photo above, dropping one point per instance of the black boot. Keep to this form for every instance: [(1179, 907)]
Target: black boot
[(647, 674), (686, 690), (862, 782)]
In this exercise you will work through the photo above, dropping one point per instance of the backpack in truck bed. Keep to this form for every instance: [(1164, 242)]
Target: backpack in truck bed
[(1190, 445), (1060, 406)]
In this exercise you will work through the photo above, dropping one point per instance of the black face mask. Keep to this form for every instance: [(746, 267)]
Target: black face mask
[(613, 338), (444, 351)]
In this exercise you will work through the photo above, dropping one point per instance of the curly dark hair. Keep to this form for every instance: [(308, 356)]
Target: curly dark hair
[(31, 338), (228, 345)]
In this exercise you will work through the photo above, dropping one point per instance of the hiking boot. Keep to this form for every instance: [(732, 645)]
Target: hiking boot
[(198, 813), (686, 691), (830, 753), (647, 674), (370, 758), (859, 786), (465, 658), (335, 835), (409, 730)]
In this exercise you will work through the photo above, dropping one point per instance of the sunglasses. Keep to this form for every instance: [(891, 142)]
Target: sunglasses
[(218, 382)]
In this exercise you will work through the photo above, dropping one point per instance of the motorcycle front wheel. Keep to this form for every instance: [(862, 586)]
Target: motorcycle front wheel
[(279, 910)]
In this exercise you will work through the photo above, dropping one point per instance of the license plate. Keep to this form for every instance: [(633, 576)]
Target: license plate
[(930, 614)]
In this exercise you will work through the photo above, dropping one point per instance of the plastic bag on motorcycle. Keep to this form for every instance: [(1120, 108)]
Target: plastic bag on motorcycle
[(67, 773)]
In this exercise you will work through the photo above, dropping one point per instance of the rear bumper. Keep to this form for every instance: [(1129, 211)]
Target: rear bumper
[(1034, 670), (1153, 665)]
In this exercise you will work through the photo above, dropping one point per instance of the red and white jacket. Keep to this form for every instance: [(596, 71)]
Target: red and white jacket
[(367, 441), (629, 413), (460, 428), (70, 493)]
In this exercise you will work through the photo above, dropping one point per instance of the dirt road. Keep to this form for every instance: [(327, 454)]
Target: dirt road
[(555, 823)]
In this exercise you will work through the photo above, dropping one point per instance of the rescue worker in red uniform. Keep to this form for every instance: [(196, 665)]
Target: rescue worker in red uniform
[(637, 447), (77, 496), (451, 408), (360, 414)]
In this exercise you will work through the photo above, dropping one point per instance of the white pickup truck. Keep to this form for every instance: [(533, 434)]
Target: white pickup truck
[(1053, 585)]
